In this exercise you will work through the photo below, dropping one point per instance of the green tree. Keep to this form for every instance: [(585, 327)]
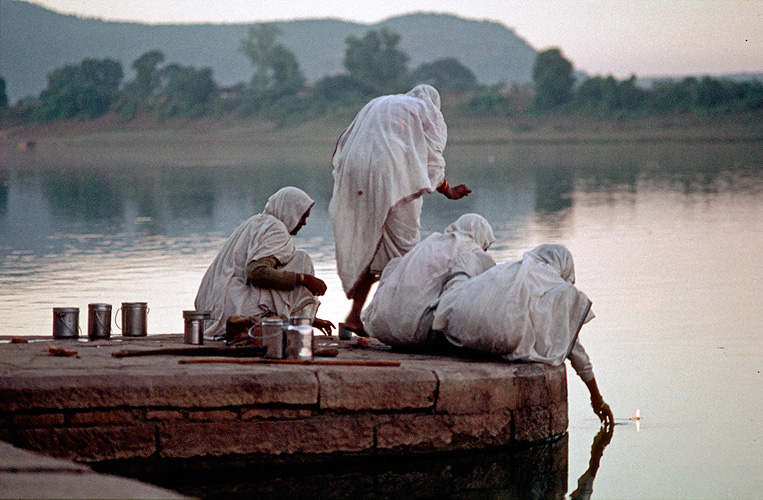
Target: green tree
[(276, 70), (446, 74), (606, 97), (749, 95), (187, 92), (148, 74), (375, 61), (86, 90), (489, 102), (3, 94), (670, 97), (553, 78), (341, 88)]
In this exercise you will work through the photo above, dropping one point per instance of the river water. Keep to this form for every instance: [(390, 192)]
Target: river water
[(666, 238)]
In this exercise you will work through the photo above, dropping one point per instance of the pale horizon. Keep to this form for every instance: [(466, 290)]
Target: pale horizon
[(648, 38)]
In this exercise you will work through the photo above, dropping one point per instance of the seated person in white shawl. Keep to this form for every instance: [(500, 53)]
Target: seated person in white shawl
[(524, 310), (388, 157), (402, 309), (259, 271)]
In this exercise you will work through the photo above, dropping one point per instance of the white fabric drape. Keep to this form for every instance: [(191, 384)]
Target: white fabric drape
[(526, 310), (391, 153), (223, 290), (409, 289)]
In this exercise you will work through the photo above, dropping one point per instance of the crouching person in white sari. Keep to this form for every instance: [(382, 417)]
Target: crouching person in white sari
[(259, 272), (524, 310), (402, 309)]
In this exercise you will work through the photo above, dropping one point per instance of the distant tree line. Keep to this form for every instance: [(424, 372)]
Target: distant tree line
[(374, 65), (277, 90), (555, 91)]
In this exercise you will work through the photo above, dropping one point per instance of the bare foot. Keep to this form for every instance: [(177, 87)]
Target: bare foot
[(356, 328)]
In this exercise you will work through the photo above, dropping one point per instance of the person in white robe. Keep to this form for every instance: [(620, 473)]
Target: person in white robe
[(402, 309), (523, 310), (259, 272), (384, 161)]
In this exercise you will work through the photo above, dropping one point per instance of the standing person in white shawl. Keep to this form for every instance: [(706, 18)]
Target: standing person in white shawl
[(524, 310), (389, 156), (402, 309), (259, 272)]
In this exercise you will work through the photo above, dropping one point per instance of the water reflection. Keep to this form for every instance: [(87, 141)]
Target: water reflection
[(585, 482), (532, 472), (538, 471)]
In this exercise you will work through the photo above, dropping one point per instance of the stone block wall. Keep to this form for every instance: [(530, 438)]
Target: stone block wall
[(184, 411)]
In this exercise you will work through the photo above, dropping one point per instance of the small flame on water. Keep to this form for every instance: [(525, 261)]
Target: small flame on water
[(637, 419)]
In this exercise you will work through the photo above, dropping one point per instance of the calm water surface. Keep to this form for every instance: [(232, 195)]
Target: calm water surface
[(666, 238)]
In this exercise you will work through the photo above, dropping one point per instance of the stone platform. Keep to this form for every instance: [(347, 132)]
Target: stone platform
[(93, 407)]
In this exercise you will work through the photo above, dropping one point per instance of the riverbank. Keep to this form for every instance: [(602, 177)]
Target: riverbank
[(230, 141)]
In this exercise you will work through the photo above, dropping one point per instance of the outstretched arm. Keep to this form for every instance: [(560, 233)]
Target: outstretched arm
[(582, 365), (600, 408), (453, 193)]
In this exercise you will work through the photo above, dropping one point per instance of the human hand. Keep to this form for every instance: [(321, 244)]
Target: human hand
[(323, 325), (458, 192), (316, 285), (603, 411)]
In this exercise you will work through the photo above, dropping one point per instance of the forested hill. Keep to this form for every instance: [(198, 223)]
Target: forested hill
[(34, 41)]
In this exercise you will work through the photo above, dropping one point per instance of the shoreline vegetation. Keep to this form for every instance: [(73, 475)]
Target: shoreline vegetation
[(239, 141)]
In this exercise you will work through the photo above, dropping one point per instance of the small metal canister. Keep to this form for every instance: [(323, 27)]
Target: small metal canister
[(273, 337), (194, 326), (98, 321), (66, 322), (134, 319), (299, 342)]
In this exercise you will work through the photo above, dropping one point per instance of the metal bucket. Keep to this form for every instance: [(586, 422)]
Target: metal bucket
[(134, 319), (299, 342), (98, 321), (66, 322), (273, 337), (194, 326)]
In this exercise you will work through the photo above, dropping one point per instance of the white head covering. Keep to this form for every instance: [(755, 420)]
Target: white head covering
[(558, 257), (288, 205), (425, 91), (475, 227)]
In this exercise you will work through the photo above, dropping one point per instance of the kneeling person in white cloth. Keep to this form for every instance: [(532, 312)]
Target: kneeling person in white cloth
[(524, 310), (402, 309), (259, 272)]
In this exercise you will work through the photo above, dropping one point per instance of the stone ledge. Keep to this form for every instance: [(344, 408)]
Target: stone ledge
[(94, 407)]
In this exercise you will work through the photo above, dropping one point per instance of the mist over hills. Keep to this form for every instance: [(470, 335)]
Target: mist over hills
[(34, 41)]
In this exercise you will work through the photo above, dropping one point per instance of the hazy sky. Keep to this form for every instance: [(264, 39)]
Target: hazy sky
[(619, 37)]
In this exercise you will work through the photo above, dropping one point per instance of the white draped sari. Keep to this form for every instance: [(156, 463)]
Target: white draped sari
[(224, 290), (402, 308), (524, 310), (390, 155)]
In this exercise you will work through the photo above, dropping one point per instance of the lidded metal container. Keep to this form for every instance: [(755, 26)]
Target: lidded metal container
[(273, 338), (193, 332)]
